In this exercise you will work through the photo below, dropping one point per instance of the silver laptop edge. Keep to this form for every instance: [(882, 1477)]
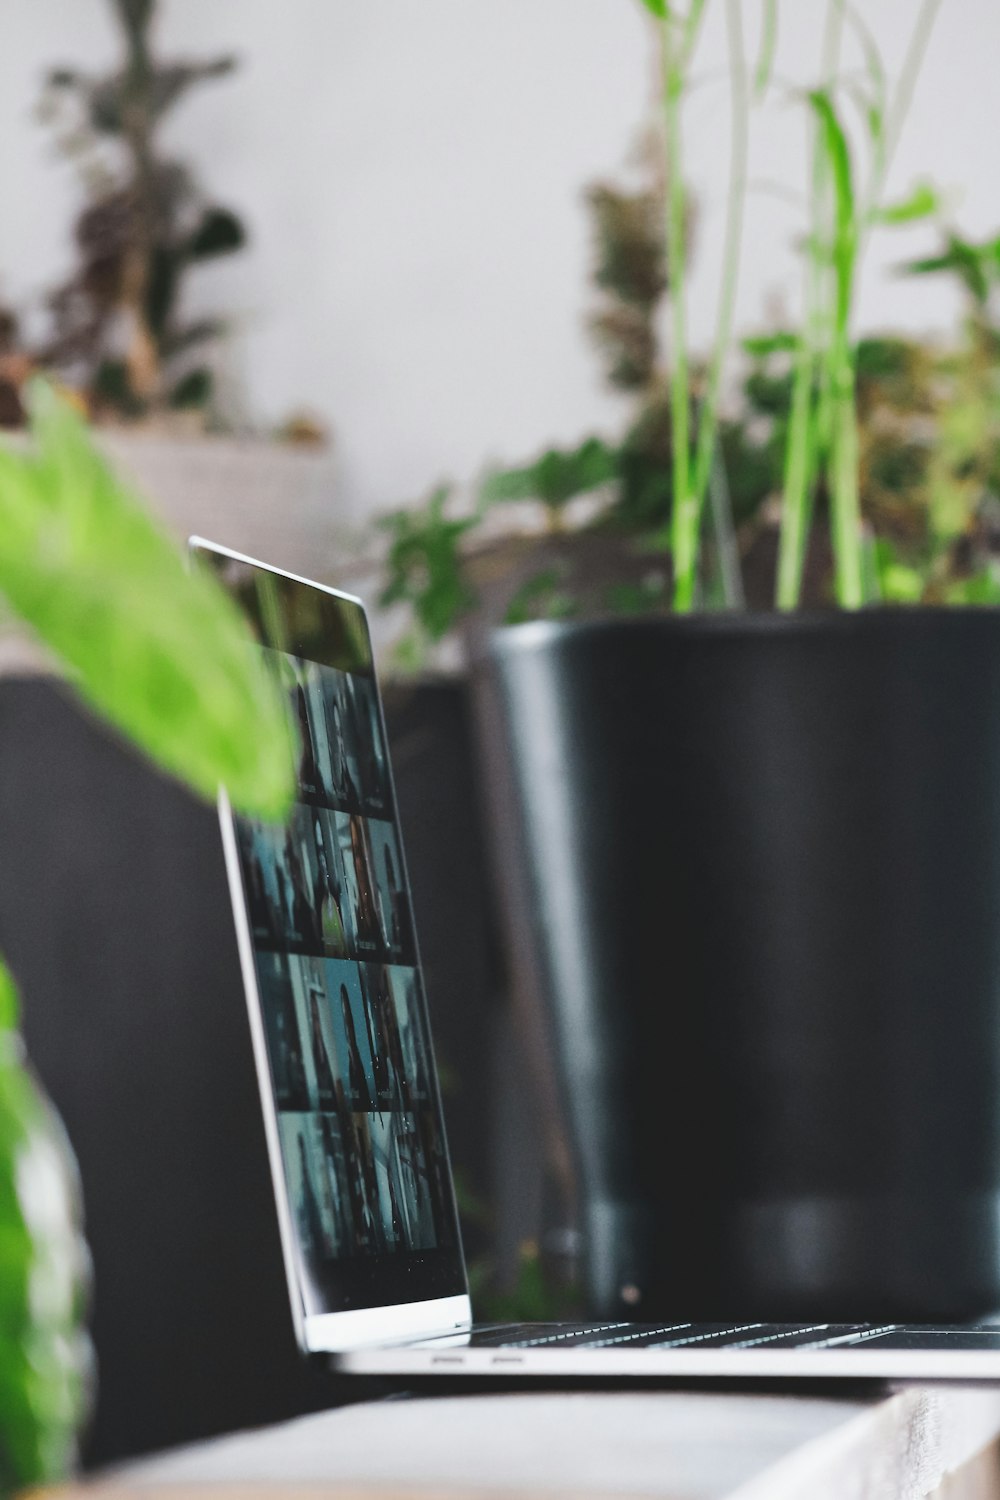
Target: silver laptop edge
[(327, 1332)]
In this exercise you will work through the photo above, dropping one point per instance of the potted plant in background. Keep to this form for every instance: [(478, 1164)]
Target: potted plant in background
[(162, 654), (156, 380), (754, 857)]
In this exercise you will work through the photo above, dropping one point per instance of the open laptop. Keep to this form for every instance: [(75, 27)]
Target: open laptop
[(352, 1110)]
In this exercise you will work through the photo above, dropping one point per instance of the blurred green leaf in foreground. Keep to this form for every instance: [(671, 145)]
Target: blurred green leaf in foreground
[(163, 653), (154, 646), (45, 1355)]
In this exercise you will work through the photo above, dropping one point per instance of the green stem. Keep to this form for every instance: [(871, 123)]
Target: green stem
[(720, 502), (799, 469), (769, 38), (708, 416), (809, 419), (682, 542), (848, 550), (845, 500), (690, 481)]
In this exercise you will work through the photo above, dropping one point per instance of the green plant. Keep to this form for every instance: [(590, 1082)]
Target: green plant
[(822, 433), (144, 226), (837, 469), (162, 653), (951, 555), (425, 571), (693, 462)]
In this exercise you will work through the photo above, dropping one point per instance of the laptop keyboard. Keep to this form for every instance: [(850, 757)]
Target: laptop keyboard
[(677, 1335)]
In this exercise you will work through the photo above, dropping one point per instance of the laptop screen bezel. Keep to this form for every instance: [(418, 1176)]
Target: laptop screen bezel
[(336, 1330)]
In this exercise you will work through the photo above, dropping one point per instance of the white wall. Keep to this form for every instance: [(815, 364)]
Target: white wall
[(412, 175)]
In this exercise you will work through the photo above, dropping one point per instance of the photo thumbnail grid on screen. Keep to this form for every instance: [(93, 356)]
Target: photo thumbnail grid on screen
[(330, 918), (342, 758)]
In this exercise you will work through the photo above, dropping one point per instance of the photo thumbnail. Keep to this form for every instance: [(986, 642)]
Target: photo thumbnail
[(295, 882), (342, 762), (396, 1022), (324, 1066), (391, 895), (355, 1038), (281, 1029), (377, 908), (361, 915), (413, 1044), (328, 1221), (364, 729), (404, 1182), (330, 705), (320, 774)]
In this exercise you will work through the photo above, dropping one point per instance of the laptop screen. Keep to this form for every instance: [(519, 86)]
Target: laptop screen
[(351, 1072)]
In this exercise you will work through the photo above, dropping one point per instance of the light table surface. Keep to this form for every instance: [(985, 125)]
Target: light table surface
[(674, 1445)]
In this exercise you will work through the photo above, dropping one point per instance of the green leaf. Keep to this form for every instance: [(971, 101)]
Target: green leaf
[(976, 266), (981, 588), (762, 345), (657, 8), (8, 1000), (922, 203), (424, 566), (650, 593), (556, 477), (836, 151), (540, 597), (157, 648), (44, 1354), (898, 582)]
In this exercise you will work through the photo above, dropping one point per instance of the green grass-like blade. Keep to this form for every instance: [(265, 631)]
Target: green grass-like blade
[(799, 469), (845, 224), (845, 504), (768, 46)]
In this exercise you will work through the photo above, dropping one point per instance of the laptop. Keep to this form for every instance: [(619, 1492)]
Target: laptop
[(349, 1090)]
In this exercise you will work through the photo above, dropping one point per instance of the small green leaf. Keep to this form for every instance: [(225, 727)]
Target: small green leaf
[(8, 1000), (976, 266), (556, 477), (157, 648), (981, 588), (838, 155), (657, 8), (762, 345), (898, 583), (424, 566), (540, 597), (922, 203)]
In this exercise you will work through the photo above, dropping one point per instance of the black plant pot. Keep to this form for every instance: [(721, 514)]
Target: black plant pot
[(763, 859)]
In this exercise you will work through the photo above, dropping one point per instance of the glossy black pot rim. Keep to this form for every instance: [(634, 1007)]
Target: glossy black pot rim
[(876, 621)]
